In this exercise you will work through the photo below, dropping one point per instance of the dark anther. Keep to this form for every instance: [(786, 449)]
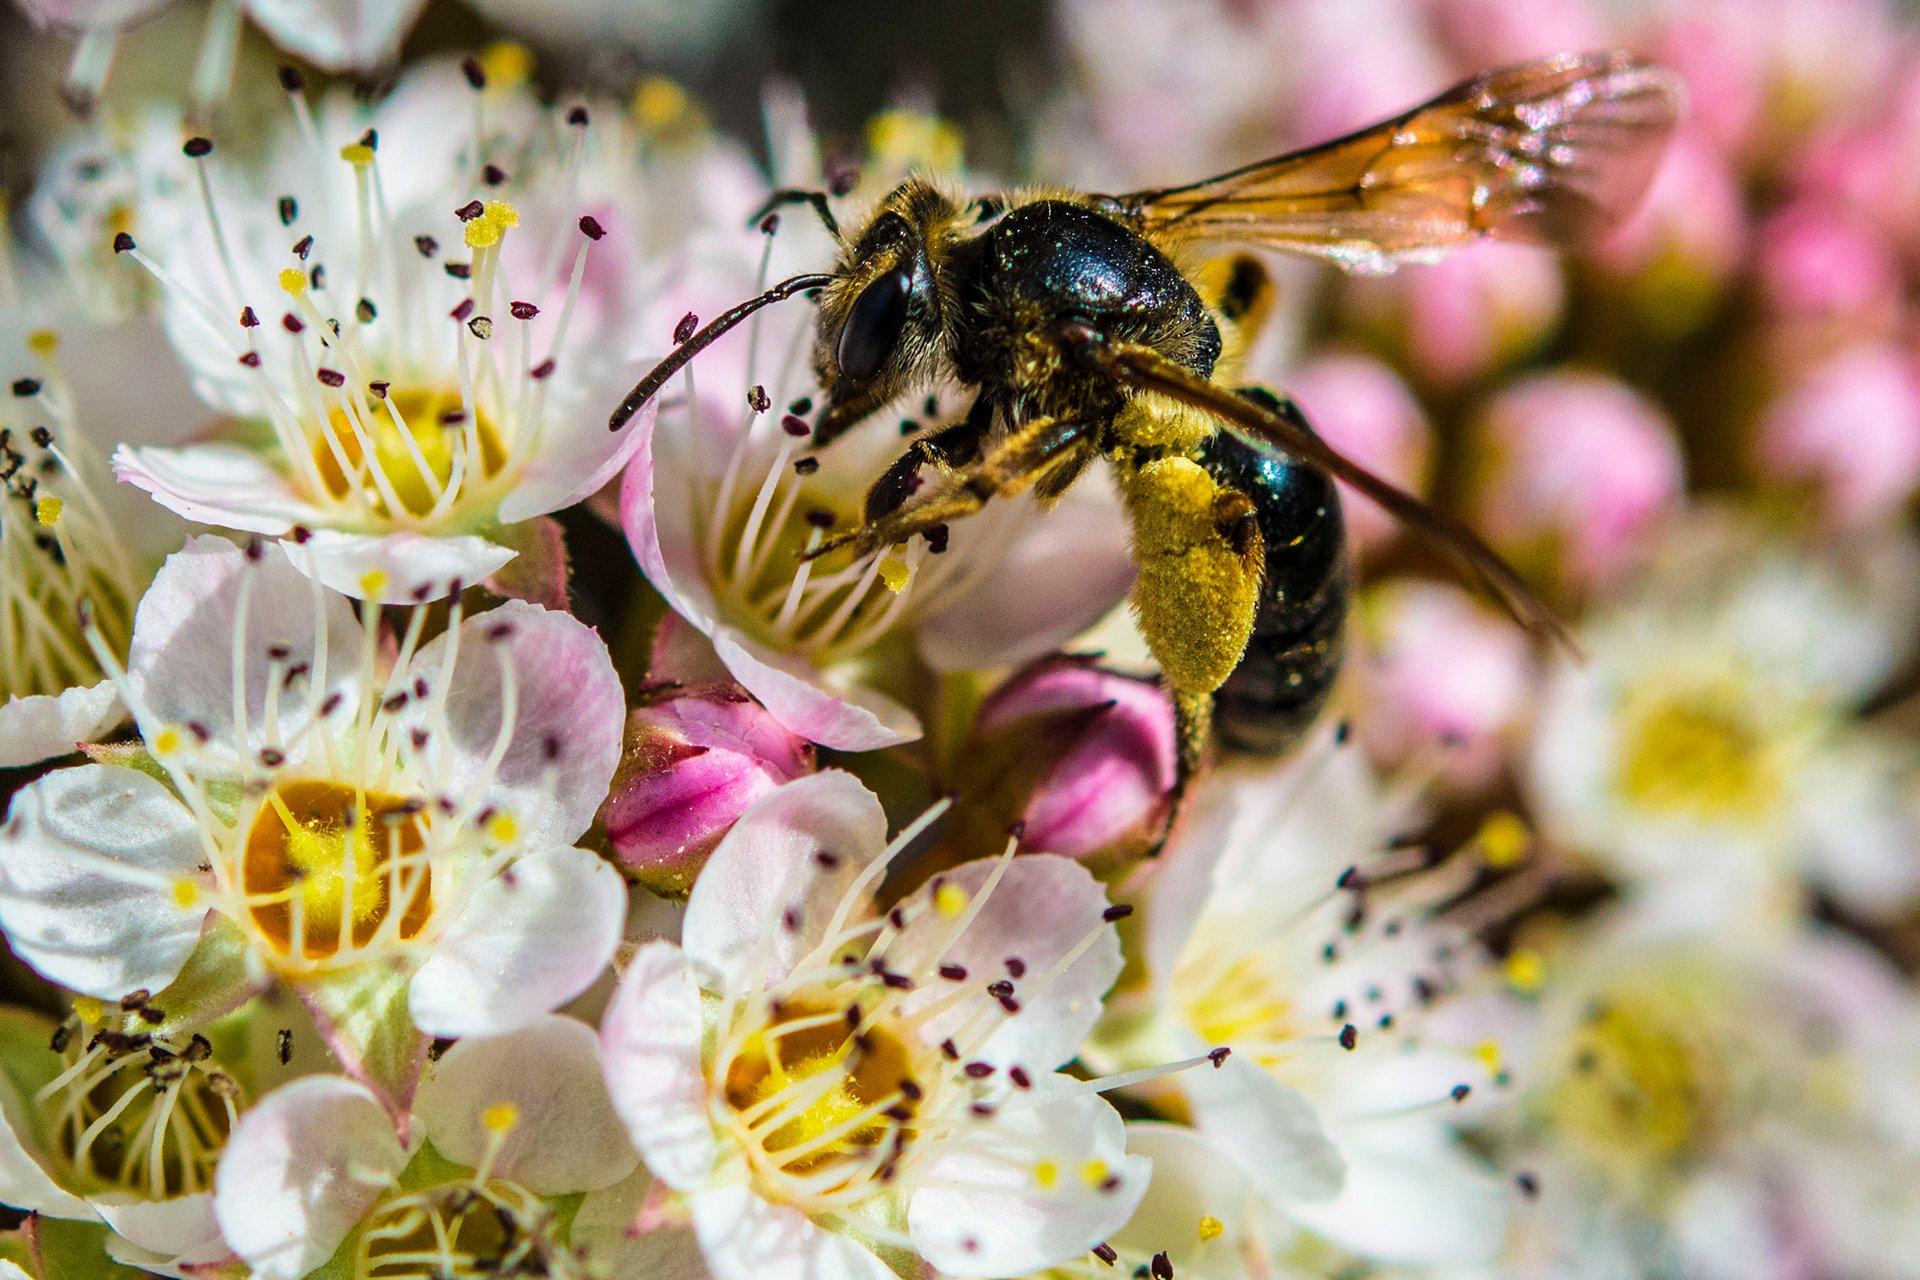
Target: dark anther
[(1018, 1074), (1119, 911), (821, 519), (331, 378), (689, 324), (302, 247), (1459, 1092), (1218, 1057), (370, 139), (1349, 1037), (542, 370), (757, 398), (427, 245), (493, 175), (476, 75), (978, 1070), (459, 270), (24, 387), (999, 988), (1106, 1253), (936, 536), (826, 860), (198, 1049), (1161, 1267), (1016, 967), (197, 147), (522, 310), (469, 211), (577, 115), (122, 242), (795, 427), (293, 323), (803, 406), (1529, 1184), (590, 227), (62, 1037), (462, 311), (272, 757), (289, 210), (248, 319), (481, 327), (251, 359), (363, 310), (301, 534), (949, 1050), (283, 1046), (290, 78), (953, 972)]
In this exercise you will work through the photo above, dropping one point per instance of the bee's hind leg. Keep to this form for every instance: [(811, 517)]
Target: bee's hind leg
[(1027, 458)]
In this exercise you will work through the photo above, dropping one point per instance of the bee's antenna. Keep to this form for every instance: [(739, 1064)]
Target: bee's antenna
[(644, 390)]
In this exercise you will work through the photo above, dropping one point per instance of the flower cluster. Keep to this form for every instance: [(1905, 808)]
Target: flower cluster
[(447, 838)]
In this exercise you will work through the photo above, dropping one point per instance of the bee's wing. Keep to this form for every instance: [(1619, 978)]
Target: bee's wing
[(1145, 369), (1550, 152)]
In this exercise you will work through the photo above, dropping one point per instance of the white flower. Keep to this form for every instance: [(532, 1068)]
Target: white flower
[(834, 1091), (1712, 1102), (361, 820), (1711, 746), (1283, 926), (119, 1114), (414, 330), (510, 1124)]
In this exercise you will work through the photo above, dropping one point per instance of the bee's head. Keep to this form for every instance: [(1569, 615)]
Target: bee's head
[(881, 331)]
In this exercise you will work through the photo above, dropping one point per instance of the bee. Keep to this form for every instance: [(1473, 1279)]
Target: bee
[(1109, 327)]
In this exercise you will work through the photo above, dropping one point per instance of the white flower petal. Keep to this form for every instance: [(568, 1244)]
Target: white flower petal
[(772, 884), (180, 1230), (577, 457), (601, 1228), (300, 1170), (530, 939), (396, 568), (82, 15), (87, 866), (849, 719), (180, 666), (42, 726), (1411, 1201), (218, 484), (1269, 1128), (650, 1042), (1191, 1181), (565, 1136), (24, 1181), (569, 716), (986, 1214), (339, 35), (1064, 571), (746, 1238), (1043, 908)]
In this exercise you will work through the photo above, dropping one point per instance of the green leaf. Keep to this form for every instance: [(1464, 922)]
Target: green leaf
[(69, 1250), (362, 1013)]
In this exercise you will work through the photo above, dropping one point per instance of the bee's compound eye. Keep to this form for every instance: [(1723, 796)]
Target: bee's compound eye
[(874, 325)]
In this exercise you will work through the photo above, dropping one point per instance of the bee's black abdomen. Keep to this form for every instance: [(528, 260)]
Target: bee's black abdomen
[(1288, 670)]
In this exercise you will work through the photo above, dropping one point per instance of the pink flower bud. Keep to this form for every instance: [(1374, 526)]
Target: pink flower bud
[(1851, 427), (1440, 671), (1083, 757), (1500, 33), (1688, 237), (1360, 407), (694, 760), (1467, 315), (1815, 261), (1576, 467)]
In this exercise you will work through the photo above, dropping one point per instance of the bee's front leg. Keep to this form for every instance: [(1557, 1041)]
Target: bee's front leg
[(1023, 459)]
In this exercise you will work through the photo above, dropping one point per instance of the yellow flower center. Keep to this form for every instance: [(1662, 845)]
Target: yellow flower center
[(1237, 997), (418, 437), (1699, 755), (808, 1092), (319, 855)]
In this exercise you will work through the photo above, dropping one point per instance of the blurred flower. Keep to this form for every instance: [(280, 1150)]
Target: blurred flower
[(1464, 317), (1815, 263), (1360, 406), (1699, 1101), (829, 1087), (1281, 926), (1440, 670), (1850, 428), (401, 413), (515, 1125), (1709, 746), (1576, 469), (659, 27), (374, 826), (328, 33), (695, 760), (1081, 757), (118, 1115), (1686, 242)]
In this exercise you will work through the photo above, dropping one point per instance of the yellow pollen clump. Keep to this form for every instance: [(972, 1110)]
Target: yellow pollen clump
[(1211, 1228), (166, 742), (357, 153), (1095, 1172), (507, 63), (1526, 971), (185, 893), (43, 342), (1504, 839), (495, 217), (293, 280), (950, 900), (895, 574), (501, 1117), (372, 583), (1487, 1052), (503, 829), (47, 510), (1046, 1174), (88, 1010)]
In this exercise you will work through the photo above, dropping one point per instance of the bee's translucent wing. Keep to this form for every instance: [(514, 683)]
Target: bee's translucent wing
[(1550, 152)]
